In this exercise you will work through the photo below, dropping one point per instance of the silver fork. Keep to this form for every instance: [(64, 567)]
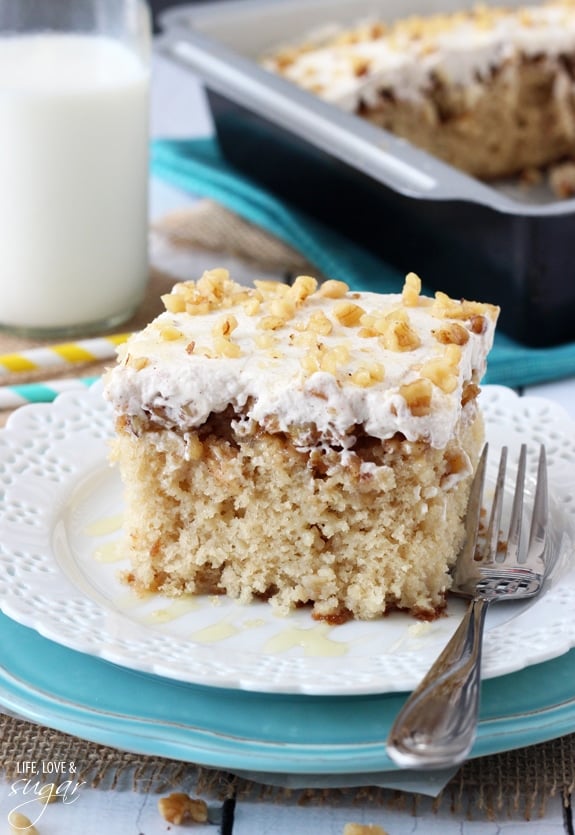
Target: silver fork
[(437, 725)]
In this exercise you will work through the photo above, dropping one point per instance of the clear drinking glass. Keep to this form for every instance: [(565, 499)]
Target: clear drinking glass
[(74, 112)]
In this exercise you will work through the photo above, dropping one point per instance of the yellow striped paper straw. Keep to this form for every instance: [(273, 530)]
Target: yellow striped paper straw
[(68, 353)]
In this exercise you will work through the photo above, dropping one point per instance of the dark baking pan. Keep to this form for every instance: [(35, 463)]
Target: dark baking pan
[(507, 244)]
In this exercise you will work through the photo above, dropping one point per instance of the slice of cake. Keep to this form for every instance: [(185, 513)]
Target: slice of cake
[(490, 91), (301, 444)]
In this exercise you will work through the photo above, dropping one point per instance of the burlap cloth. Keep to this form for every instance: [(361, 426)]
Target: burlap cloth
[(515, 782)]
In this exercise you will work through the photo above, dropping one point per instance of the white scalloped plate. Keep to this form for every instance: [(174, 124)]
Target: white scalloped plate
[(61, 558)]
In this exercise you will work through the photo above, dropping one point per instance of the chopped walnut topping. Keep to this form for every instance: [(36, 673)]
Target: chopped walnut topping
[(452, 333), (214, 283), (303, 286), (348, 314), (333, 359), (367, 375), (225, 326), (311, 363), (470, 392), (443, 371), (477, 324), (411, 290), (265, 340), (214, 290), (283, 308), (396, 332), (269, 289), (319, 323), (286, 57), (332, 289), (174, 302), (360, 65), (417, 395), (224, 347), (445, 307), (271, 323), (137, 362), (306, 339), (169, 333), (179, 808), (221, 333), (252, 306)]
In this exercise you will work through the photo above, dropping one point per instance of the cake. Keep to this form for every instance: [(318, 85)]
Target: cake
[(301, 444), (489, 90)]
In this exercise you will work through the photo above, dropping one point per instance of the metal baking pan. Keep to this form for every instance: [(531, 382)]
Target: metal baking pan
[(503, 243)]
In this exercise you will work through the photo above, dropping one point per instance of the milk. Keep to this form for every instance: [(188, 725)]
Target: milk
[(73, 181)]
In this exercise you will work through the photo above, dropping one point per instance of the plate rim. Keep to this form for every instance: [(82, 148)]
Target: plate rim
[(236, 753), (20, 418)]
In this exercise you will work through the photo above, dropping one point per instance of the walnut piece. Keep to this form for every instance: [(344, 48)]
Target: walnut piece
[(411, 290), (332, 289), (363, 829), (137, 362), (367, 375), (179, 808), (417, 395), (319, 323), (20, 824), (453, 333), (169, 333), (397, 333), (303, 286), (443, 371), (348, 314), (271, 323)]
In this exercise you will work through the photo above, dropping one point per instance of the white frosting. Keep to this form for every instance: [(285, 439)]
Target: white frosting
[(179, 389), (460, 51)]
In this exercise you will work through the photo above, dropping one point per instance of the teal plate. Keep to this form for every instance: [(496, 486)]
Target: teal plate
[(255, 733)]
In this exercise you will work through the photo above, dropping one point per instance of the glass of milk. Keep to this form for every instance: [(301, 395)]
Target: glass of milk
[(74, 84)]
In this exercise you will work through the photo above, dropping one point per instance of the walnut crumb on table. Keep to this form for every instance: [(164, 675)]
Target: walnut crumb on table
[(20, 824), (363, 829), (179, 808)]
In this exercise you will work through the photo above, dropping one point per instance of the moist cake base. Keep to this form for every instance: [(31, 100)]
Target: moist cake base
[(354, 533), (518, 123)]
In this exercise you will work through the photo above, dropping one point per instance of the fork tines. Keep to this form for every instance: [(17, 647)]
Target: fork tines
[(493, 550)]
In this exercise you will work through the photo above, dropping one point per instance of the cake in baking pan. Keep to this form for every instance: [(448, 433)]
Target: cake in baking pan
[(301, 444), (489, 90)]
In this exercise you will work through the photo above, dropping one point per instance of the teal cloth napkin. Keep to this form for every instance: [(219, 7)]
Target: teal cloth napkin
[(198, 167)]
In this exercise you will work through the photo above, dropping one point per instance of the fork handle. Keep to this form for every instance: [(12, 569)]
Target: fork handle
[(437, 725)]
